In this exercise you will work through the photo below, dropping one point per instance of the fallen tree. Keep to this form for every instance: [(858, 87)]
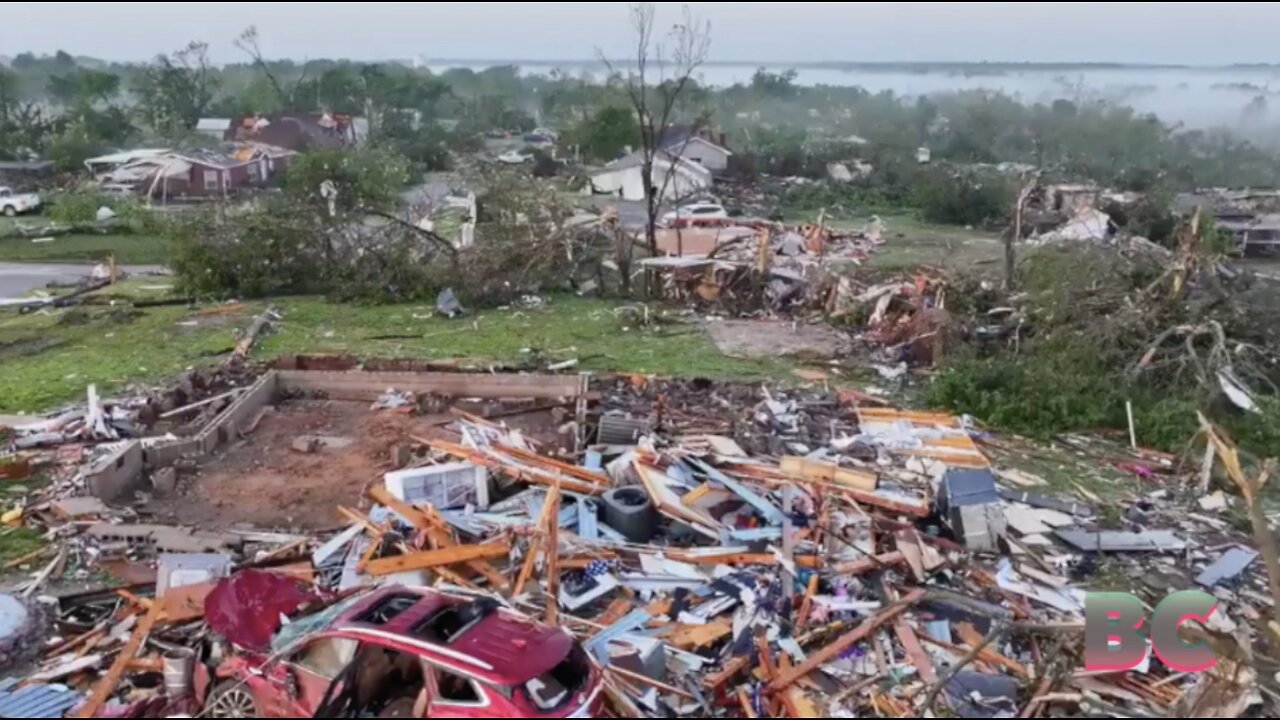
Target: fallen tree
[(1097, 327)]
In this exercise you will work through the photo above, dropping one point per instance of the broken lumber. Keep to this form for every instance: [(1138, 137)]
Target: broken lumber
[(837, 648), (107, 685), (804, 469), (443, 557)]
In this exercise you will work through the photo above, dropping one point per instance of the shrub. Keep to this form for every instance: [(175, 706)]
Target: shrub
[(961, 200)]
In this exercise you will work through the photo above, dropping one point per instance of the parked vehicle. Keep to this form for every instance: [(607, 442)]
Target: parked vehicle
[(412, 652), (696, 215), (515, 157), (12, 203)]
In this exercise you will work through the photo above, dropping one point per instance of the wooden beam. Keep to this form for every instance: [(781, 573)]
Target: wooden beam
[(532, 476), (728, 672), (806, 470), (414, 516), (921, 510), (806, 605), (432, 526), (550, 513), (691, 637), (744, 699), (440, 535), (107, 685), (429, 559), (727, 559), (546, 463), (919, 658), (634, 677), (870, 564), (837, 648), (552, 585)]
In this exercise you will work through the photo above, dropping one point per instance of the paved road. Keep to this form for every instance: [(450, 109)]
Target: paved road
[(17, 279)]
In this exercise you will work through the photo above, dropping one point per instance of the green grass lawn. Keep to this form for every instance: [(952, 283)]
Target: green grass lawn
[(47, 359), (911, 243), (130, 249)]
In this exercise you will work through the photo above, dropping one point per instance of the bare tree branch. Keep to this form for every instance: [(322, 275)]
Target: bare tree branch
[(657, 104), (249, 43)]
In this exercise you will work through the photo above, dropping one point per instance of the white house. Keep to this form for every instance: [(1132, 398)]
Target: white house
[(703, 152), (624, 177)]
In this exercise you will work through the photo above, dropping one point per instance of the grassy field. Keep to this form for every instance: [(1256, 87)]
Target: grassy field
[(130, 249), (911, 243), (48, 358)]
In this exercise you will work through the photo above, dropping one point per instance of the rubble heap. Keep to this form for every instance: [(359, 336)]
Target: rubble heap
[(708, 550)]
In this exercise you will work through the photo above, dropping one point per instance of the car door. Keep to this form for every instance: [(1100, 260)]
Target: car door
[(452, 695), (301, 682)]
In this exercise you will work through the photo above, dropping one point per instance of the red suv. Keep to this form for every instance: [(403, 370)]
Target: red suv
[(412, 652)]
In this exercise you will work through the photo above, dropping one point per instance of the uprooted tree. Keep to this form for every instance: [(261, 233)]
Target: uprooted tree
[(658, 86), (1094, 327)]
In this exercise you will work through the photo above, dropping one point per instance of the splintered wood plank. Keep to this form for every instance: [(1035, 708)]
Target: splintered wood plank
[(806, 605), (443, 557), (692, 637), (107, 685), (546, 463), (806, 470), (919, 658), (837, 648), (730, 670), (799, 705), (866, 565), (727, 559), (413, 515), (442, 537)]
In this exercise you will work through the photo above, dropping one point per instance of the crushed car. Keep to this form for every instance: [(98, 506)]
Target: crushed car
[(410, 652)]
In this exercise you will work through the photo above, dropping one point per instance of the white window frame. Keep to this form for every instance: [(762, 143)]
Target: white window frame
[(211, 179)]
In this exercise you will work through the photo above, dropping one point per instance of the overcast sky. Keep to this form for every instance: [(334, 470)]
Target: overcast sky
[(1190, 33)]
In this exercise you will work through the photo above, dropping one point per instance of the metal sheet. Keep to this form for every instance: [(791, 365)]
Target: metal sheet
[(599, 645), (38, 701), (1149, 541), (1228, 567)]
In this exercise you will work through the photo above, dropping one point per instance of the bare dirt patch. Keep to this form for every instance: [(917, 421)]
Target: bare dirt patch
[(767, 339), (264, 482)]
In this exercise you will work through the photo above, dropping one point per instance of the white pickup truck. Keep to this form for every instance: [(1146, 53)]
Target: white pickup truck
[(12, 203)]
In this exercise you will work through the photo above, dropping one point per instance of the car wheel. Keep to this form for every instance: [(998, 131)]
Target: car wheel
[(231, 699), (10, 211)]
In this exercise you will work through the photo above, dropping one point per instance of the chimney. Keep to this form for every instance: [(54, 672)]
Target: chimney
[(724, 139)]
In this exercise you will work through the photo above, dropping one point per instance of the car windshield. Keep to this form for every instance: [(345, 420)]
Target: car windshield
[(302, 627), (551, 690)]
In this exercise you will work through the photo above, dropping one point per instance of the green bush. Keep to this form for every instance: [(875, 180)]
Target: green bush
[(949, 199), (81, 206)]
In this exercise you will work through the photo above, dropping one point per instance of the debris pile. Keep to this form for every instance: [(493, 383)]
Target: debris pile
[(701, 550), (759, 265)]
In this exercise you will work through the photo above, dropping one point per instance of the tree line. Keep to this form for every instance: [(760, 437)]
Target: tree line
[(66, 108)]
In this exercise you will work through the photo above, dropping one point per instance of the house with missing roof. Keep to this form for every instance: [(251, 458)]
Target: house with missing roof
[(675, 178), (299, 132), (200, 174)]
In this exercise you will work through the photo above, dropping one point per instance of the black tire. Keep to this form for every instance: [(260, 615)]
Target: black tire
[(10, 211), (231, 699)]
